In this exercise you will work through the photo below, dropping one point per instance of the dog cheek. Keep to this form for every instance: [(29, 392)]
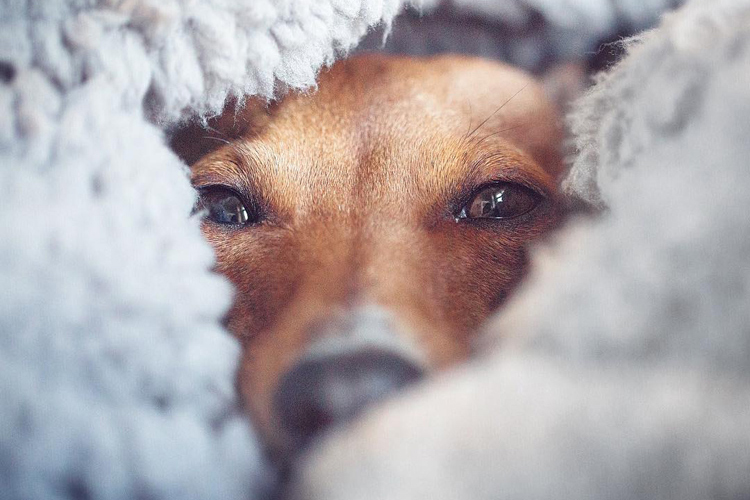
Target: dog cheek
[(264, 277), (486, 271)]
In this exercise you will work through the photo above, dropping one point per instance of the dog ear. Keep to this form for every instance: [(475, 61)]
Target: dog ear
[(196, 137)]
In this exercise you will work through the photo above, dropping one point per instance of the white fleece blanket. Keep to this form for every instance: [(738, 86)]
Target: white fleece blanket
[(625, 367), (116, 378)]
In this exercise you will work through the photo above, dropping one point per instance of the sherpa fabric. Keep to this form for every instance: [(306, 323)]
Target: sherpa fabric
[(116, 377), (624, 366), (529, 33)]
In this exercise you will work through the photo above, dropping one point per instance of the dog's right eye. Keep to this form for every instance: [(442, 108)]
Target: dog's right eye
[(224, 206)]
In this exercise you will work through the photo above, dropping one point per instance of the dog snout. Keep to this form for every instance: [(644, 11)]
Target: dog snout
[(323, 391)]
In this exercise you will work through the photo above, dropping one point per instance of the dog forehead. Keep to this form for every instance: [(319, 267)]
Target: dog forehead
[(372, 100), (451, 91)]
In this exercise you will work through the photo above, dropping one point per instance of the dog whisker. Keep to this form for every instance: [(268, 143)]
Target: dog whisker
[(500, 132), (468, 129), (217, 131), (497, 111), (219, 139)]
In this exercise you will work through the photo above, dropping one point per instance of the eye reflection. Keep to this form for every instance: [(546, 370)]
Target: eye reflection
[(500, 201), (224, 207)]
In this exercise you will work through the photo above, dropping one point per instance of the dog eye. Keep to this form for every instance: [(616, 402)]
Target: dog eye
[(500, 201), (223, 206)]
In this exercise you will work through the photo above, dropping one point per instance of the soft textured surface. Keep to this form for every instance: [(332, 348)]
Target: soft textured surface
[(530, 33), (116, 378), (625, 367)]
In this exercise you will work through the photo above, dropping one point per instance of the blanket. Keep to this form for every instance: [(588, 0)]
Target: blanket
[(116, 376), (622, 369)]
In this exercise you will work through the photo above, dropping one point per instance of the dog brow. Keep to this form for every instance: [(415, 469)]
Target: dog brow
[(484, 122), (214, 170), (233, 167)]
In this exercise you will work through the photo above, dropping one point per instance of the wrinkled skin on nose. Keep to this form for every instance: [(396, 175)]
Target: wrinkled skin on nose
[(356, 191)]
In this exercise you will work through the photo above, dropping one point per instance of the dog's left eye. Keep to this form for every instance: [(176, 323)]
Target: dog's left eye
[(224, 206), (502, 200)]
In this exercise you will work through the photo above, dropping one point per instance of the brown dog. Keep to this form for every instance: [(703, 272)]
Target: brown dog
[(371, 226)]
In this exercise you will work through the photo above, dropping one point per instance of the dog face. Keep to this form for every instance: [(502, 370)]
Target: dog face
[(370, 226)]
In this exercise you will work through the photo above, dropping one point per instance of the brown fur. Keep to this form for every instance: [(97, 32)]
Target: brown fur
[(361, 179)]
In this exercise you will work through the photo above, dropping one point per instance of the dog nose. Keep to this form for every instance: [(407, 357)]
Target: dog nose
[(320, 392)]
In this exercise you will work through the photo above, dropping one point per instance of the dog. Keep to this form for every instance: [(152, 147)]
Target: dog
[(371, 225)]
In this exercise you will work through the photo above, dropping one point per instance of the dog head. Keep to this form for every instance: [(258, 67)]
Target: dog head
[(371, 225)]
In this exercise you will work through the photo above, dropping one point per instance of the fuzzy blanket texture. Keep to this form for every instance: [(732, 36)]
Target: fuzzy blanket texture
[(626, 371)]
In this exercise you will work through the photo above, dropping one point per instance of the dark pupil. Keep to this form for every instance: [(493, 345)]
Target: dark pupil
[(228, 210), (501, 202)]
